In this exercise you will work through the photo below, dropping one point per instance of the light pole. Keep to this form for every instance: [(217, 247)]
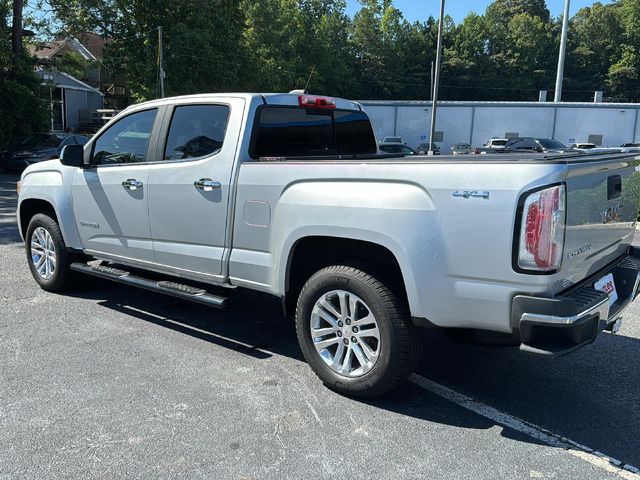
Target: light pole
[(557, 95), (436, 80), (161, 62)]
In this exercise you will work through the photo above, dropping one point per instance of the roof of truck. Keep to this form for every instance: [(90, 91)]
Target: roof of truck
[(268, 98)]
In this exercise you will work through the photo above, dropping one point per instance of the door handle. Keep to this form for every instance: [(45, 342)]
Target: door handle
[(132, 184), (206, 184)]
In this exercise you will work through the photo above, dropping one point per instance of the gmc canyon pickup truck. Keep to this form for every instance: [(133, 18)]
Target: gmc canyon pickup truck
[(288, 194)]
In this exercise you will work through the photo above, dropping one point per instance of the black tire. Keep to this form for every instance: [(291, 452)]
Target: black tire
[(62, 277), (400, 340)]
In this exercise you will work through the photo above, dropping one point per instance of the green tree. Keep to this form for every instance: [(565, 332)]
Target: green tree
[(22, 109), (202, 41), (590, 55), (290, 43), (74, 64)]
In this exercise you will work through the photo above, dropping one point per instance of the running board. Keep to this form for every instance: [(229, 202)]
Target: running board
[(174, 289)]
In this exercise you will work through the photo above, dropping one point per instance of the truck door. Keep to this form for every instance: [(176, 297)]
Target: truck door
[(110, 196), (189, 186)]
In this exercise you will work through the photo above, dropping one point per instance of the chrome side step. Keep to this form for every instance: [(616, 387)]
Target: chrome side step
[(174, 289)]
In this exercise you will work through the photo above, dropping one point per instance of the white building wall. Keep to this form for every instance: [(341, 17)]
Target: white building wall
[(495, 122), (478, 122), (615, 125), (383, 120)]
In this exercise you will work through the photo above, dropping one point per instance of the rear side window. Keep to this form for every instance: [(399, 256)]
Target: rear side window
[(293, 131), (196, 131)]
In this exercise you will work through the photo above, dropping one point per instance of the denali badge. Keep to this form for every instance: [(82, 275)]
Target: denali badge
[(612, 214), (578, 251)]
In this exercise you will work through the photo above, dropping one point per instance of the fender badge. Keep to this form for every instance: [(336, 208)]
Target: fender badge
[(471, 194)]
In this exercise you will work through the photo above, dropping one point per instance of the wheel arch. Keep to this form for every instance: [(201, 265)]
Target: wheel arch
[(28, 207), (311, 252)]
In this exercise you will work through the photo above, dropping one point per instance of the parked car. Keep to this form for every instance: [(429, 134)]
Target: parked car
[(461, 149), (495, 145), (630, 147), (423, 149), (392, 140), (541, 145), (583, 146), (393, 147), (289, 196), (593, 148), (37, 148)]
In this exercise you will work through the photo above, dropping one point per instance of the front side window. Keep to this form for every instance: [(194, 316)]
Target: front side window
[(196, 131), (126, 141)]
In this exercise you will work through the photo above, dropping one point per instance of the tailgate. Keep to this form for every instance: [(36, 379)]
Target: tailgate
[(603, 196)]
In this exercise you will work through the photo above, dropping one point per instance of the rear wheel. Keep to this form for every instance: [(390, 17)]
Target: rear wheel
[(355, 333), (47, 254)]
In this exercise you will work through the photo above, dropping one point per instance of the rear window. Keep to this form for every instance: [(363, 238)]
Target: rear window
[(550, 143), (293, 131)]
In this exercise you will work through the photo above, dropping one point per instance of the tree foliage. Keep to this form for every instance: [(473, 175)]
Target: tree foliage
[(22, 109), (508, 53)]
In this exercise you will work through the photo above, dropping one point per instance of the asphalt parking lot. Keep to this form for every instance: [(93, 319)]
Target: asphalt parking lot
[(113, 382)]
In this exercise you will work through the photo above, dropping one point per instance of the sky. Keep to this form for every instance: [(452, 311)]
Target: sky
[(458, 9)]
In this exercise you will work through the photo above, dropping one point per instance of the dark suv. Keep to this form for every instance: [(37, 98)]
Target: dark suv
[(541, 145), (37, 148)]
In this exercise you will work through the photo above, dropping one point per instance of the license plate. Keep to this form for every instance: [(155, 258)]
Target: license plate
[(607, 285)]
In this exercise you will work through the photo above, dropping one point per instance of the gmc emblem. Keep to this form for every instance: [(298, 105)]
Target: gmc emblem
[(612, 214)]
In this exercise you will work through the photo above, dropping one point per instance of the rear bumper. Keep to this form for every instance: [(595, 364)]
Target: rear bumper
[(559, 325)]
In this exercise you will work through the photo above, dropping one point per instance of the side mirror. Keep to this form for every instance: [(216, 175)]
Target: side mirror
[(72, 156)]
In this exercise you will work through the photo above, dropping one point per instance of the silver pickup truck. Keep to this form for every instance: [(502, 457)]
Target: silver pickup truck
[(288, 194)]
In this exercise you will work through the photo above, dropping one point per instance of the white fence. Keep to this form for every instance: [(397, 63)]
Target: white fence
[(607, 124)]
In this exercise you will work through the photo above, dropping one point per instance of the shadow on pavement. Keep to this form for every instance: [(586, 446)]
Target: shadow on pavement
[(589, 397)]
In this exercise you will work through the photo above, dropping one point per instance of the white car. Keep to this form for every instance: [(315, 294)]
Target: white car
[(393, 140)]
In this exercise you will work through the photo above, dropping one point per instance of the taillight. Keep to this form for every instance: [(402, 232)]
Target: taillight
[(313, 101), (542, 230)]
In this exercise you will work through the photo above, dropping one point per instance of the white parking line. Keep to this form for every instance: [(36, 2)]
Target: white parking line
[(543, 435)]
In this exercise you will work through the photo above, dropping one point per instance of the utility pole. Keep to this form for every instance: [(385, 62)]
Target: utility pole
[(16, 31), (160, 62), (436, 80), (431, 84), (557, 95)]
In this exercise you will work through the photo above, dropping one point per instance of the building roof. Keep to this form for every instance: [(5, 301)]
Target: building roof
[(66, 81), (93, 42), (491, 103), (87, 44)]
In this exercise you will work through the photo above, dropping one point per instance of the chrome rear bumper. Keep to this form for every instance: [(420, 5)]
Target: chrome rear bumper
[(559, 325)]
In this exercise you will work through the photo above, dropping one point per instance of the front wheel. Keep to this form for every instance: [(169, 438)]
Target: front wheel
[(47, 254), (355, 333)]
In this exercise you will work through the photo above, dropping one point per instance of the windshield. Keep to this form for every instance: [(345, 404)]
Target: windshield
[(41, 140), (550, 143)]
